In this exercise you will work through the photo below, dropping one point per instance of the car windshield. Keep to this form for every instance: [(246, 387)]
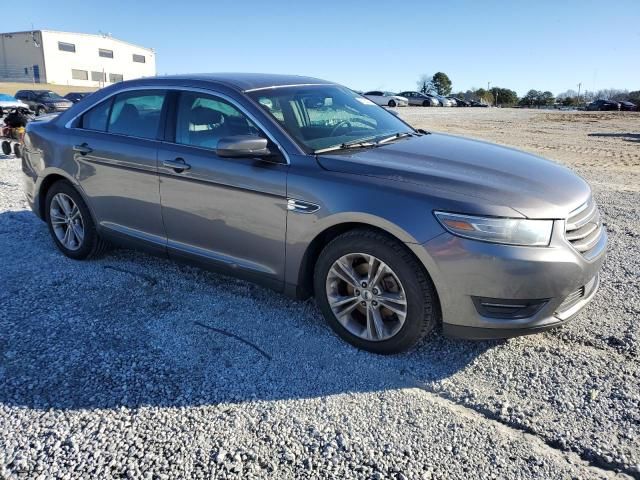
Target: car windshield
[(321, 117), (6, 98), (49, 95)]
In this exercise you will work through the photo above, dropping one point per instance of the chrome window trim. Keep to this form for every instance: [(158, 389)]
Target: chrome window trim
[(286, 86), (169, 88)]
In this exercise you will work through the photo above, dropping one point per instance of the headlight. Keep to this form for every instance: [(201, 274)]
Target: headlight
[(511, 231)]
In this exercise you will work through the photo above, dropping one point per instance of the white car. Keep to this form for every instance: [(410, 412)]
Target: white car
[(444, 101), (386, 99), (7, 102)]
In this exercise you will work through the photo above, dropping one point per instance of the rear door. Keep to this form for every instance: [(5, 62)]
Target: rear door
[(115, 146), (229, 213)]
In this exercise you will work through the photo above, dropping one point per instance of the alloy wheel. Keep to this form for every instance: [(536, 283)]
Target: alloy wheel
[(366, 297), (66, 221)]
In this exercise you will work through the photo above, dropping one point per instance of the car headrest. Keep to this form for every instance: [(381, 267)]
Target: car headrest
[(204, 116)]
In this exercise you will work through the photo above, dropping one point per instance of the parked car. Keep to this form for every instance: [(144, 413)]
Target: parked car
[(460, 102), (420, 99), (391, 228), (444, 101), (43, 101), (388, 99), (475, 103), (75, 97), (8, 102), (603, 105), (628, 106)]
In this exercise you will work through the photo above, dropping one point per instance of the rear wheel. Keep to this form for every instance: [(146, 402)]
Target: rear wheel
[(70, 223), (374, 293), (392, 103), (426, 103)]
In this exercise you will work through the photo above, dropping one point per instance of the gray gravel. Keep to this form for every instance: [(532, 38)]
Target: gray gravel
[(123, 368)]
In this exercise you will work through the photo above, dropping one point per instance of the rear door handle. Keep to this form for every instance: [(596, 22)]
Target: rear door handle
[(82, 149), (178, 165)]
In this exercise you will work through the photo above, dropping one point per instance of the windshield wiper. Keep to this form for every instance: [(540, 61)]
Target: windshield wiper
[(364, 142), (360, 143), (395, 136)]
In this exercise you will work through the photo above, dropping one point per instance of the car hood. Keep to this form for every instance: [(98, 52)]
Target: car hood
[(501, 176)]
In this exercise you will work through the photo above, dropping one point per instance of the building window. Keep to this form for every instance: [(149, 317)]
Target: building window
[(139, 58), (67, 47), (105, 53), (79, 74), (98, 76), (115, 77)]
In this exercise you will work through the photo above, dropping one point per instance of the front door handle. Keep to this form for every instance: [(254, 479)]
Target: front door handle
[(178, 165), (82, 149)]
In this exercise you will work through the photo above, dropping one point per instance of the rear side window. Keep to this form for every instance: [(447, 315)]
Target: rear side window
[(137, 114), (97, 117)]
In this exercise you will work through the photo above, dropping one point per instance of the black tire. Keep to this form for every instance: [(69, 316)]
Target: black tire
[(392, 103), (16, 150), (426, 103), (39, 111), (92, 244), (6, 147), (422, 301)]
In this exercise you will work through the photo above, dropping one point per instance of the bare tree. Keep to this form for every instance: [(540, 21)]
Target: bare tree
[(425, 83)]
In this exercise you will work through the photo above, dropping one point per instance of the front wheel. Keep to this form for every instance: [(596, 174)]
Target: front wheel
[(392, 103), (70, 223), (374, 293)]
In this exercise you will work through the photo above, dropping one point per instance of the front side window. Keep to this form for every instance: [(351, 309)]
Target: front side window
[(320, 117), (137, 114), (202, 120), (48, 95)]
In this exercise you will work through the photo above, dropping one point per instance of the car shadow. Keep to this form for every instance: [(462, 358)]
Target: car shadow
[(629, 137), (131, 330)]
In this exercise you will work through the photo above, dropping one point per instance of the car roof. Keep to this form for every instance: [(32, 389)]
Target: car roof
[(249, 81)]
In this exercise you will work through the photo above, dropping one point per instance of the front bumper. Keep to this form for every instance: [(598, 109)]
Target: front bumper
[(463, 270)]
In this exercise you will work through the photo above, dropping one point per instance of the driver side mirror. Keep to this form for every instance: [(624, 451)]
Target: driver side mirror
[(243, 146)]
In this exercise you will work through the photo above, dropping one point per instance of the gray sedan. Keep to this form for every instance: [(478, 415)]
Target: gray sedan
[(420, 99), (308, 188)]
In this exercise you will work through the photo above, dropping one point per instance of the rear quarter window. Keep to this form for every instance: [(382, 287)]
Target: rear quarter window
[(97, 118)]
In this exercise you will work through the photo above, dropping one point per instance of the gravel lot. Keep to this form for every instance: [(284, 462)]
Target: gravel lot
[(127, 367)]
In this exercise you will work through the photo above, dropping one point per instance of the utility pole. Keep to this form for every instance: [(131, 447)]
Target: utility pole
[(579, 85)]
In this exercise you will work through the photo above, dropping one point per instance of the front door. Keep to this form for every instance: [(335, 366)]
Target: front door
[(228, 212), (115, 146)]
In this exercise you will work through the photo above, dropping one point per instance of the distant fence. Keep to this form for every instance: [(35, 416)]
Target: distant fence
[(20, 73)]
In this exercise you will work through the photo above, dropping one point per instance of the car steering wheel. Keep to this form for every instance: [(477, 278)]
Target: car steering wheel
[(342, 124)]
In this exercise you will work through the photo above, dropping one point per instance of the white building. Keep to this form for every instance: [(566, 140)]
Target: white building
[(65, 58)]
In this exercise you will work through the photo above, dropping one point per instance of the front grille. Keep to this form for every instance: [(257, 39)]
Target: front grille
[(584, 227)]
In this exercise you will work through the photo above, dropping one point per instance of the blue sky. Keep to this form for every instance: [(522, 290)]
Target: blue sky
[(546, 45)]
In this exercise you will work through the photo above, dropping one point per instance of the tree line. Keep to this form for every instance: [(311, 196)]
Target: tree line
[(441, 84)]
